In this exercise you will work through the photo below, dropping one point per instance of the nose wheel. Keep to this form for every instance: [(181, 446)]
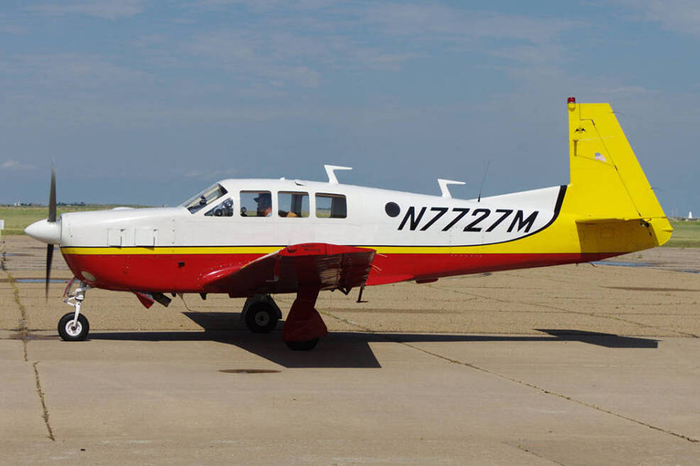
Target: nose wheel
[(70, 330), (74, 326)]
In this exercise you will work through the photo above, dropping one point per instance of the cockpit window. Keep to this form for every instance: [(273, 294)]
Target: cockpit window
[(225, 209), (331, 206), (206, 197)]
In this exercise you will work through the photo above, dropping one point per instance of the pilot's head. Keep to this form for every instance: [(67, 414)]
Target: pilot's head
[(264, 201)]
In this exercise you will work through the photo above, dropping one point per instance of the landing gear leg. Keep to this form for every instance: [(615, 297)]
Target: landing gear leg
[(74, 326), (304, 325)]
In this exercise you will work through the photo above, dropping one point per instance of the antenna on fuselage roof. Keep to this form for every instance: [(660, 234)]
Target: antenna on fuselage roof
[(330, 171), (482, 181), (444, 189)]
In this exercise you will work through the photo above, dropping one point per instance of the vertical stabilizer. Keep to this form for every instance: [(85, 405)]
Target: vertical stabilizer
[(607, 182)]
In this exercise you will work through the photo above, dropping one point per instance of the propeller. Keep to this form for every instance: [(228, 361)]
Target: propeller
[(51, 219)]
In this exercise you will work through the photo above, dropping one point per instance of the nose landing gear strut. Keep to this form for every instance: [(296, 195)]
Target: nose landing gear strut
[(74, 326)]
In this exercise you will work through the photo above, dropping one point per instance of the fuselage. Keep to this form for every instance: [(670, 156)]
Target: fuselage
[(416, 237)]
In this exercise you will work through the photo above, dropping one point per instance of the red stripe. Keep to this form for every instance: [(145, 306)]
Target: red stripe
[(184, 273)]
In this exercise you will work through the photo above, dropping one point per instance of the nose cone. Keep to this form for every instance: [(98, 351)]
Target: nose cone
[(45, 231)]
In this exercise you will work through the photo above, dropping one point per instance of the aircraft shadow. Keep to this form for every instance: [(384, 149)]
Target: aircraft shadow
[(346, 349), (608, 340)]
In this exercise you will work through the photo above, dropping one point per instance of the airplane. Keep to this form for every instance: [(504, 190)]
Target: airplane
[(254, 238)]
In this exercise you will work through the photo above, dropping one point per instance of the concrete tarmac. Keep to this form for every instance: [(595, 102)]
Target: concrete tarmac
[(569, 365)]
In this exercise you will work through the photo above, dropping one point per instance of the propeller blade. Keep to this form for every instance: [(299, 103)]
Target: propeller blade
[(49, 259), (52, 219), (52, 195)]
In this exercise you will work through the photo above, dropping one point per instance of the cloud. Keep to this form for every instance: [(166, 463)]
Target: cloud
[(378, 60), (526, 40), (267, 5), (253, 56), (10, 27), (385, 36), (681, 16), (627, 91), (64, 89), (105, 9), (74, 70), (301, 75), (210, 174), (15, 165), (226, 45), (439, 22), (527, 54), (87, 112)]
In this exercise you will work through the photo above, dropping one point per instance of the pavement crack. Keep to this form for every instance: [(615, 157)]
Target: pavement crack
[(2, 262), (22, 324), (42, 398), (24, 336), (552, 393), (519, 382), (528, 451), (347, 321), (590, 314)]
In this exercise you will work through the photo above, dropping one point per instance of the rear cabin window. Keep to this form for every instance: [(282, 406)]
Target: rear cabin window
[(331, 206), (293, 205), (256, 204)]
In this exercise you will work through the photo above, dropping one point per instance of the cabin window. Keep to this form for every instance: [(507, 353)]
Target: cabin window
[(205, 198), (225, 209), (331, 206), (256, 204), (293, 205)]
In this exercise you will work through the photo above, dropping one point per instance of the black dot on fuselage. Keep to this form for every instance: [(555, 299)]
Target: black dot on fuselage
[(392, 209)]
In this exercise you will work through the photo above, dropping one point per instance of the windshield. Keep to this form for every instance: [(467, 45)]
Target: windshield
[(204, 198)]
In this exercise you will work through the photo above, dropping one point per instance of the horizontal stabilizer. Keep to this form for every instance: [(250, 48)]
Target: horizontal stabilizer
[(621, 234), (608, 221)]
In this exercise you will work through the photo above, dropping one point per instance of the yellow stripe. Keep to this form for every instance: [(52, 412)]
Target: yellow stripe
[(88, 251), (413, 249), (261, 250)]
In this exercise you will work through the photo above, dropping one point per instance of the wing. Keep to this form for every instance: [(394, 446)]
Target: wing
[(319, 265)]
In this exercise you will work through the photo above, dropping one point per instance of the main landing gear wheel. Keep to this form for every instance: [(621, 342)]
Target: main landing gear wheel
[(70, 331), (261, 317), (307, 345)]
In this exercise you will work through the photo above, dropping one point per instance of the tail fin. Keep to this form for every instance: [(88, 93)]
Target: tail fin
[(608, 187)]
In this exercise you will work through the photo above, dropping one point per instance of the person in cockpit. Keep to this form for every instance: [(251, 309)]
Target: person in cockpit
[(264, 201)]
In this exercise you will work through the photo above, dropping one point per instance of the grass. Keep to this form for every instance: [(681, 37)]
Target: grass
[(685, 234), (18, 218)]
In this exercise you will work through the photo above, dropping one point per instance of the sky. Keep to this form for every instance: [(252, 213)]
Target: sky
[(148, 102)]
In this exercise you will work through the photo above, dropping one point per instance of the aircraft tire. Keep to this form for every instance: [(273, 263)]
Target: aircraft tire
[(261, 317), (70, 333), (307, 345)]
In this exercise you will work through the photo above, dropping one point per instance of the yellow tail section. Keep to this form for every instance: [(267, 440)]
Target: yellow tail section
[(609, 196)]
